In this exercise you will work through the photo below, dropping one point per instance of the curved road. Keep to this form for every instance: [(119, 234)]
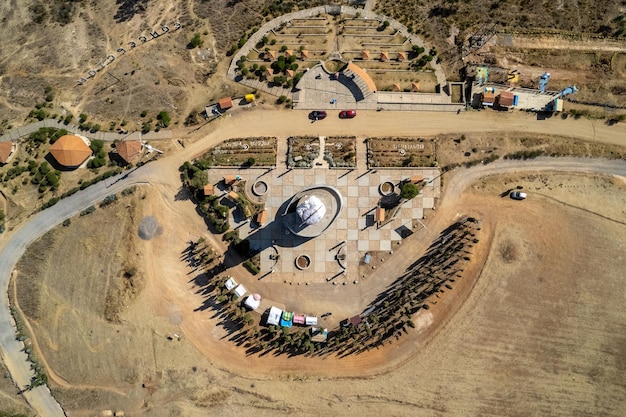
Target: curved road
[(281, 123)]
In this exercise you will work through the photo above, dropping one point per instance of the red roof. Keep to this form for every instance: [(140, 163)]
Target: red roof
[(70, 150), (506, 99), (128, 150), (225, 103), (5, 151)]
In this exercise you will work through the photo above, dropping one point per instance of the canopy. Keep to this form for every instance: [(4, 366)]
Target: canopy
[(230, 283), (311, 211), (274, 316), (253, 301), (287, 319), (240, 291)]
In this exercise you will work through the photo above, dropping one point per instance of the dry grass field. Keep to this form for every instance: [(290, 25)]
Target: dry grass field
[(539, 331), (10, 402)]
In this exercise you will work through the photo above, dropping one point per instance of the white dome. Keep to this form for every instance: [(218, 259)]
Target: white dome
[(311, 211)]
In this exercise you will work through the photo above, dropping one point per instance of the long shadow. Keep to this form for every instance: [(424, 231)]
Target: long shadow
[(413, 268), (350, 84)]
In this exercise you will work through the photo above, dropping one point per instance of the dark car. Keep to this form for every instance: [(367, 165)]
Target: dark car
[(317, 115), (347, 114)]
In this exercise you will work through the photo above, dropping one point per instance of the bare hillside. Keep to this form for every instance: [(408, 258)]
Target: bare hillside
[(47, 47)]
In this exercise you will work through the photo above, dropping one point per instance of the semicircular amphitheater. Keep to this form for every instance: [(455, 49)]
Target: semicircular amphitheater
[(331, 57)]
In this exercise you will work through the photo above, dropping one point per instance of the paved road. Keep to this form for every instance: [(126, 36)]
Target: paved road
[(281, 123)]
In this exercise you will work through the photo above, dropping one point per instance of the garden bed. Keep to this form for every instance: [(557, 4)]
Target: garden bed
[(340, 152), (258, 151), (302, 151), (401, 152)]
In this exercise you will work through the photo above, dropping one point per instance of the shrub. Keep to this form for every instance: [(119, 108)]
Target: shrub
[(195, 42), (50, 203), (88, 210), (408, 190), (164, 119), (108, 200), (527, 154), (251, 267)]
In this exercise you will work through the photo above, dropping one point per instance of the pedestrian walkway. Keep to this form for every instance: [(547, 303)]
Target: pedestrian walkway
[(355, 225), (17, 133)]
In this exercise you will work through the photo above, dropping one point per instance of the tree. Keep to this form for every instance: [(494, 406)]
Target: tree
[(418, 49), (199, 180), (164, 119), (195, 42), (408, 190)]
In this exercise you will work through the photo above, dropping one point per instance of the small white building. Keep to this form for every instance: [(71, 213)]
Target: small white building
[(240, 291), (230, 283), (253, 301), (274, 316), (310, 320)]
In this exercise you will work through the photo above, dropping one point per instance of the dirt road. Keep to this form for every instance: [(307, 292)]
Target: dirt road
[(282, 124)]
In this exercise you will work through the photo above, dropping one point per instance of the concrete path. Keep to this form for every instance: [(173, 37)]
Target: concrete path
[(15, 134)]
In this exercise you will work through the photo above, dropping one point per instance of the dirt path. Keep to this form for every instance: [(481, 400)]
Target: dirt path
[(282, 124), (555, 42)]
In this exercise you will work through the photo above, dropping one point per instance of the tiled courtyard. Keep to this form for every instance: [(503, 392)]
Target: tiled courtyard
[(353, 234)]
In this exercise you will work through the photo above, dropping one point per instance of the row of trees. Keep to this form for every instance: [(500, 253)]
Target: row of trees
[(386, 319)]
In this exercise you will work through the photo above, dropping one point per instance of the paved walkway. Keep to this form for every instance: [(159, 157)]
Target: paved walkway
[(15, 134)]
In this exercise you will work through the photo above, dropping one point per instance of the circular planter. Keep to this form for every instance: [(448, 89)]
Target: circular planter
[(386, 188), (259, 188), (303, 262)]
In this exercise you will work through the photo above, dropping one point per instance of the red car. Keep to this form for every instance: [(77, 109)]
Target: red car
[(347, 114)]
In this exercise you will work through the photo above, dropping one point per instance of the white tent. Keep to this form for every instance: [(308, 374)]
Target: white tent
[(253, 301), (240, 291), (310, 320), (230, 283), (311, 211), (274, 316)]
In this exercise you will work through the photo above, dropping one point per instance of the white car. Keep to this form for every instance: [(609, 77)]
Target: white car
[(518, 195)]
